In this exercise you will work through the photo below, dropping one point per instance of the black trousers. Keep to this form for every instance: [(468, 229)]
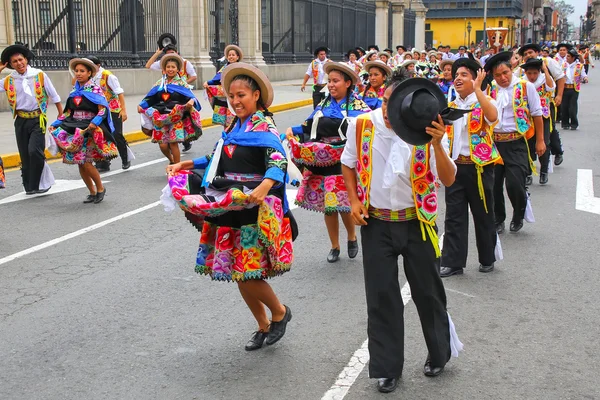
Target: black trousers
[(464, 193), (382, 243), (586, 67), (31, 144), (545, 159), (569, 108), (317, 95), (555, 142), (120, 140), (515, 171)]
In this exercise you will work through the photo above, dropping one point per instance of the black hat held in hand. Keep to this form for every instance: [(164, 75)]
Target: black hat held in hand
[(413, 105)]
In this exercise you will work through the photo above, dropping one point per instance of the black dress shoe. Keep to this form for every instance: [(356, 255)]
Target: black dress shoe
[(515, 226), (352, 248), (500, 228), (187, 146), (90, 199), (103, 166), (277, 329), (29, 192), (449, 271), (486, 268), (256, 341), (565, 127), (333, 256), (100, 196), (126, 165), (558, 159), (430, 370), (40, 191), (543, 178), (387, 385), (529, 180), (573, 128)]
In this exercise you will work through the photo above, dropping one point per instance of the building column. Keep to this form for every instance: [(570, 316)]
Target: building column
[(381, 23), (420, 11), (250, 31), (193, 41), (7, 29), (595, 34), (398, 24)]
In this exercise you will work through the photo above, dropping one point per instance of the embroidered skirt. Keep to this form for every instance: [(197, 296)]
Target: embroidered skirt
[(178, 126), (218, 101), (2, 179), (83, 146), (239, 241), (323, 193)]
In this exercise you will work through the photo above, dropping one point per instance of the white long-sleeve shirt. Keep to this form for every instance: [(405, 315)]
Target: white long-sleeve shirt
[(321, 79), (26, 101), (399, 194), (505, 99), (571, 72), (189, 68), (112, 82)]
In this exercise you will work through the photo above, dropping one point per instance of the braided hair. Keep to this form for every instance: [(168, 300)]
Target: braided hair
[(253, 85), (348, 93)]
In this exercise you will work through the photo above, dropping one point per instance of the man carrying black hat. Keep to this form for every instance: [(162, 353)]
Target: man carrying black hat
[(28, 90), (473, 150), (537, 73), (575, 77), (317, 72), (115, 96), (396, 206), (519, 109)]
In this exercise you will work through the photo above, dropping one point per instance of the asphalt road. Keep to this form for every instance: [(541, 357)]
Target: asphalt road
[(118, 312)]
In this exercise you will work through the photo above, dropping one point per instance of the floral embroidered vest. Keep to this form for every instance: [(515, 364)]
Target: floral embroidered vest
[(523, 119), (421, 177), (315, 70), (577, 76), (546, 99), (40, 93), (111, 97), (481, 144)]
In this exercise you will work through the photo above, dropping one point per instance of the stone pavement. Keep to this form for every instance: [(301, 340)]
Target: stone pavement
[(285, 92)]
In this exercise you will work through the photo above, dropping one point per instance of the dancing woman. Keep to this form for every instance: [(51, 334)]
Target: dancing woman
[(83, 133), (170, 112), (317, 145), (240, 203)]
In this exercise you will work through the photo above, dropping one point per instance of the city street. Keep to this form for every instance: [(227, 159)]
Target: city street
[(102, 301)]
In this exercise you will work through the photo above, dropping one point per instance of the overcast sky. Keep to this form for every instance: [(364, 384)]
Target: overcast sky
[(580, 9)]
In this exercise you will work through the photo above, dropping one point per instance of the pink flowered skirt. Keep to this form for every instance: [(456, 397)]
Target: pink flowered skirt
[(175, 127), (218, 101), (79, 148), (254, 251), (326, 194)]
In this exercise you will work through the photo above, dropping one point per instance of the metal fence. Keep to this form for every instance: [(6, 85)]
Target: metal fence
[(292, 29), (222, 26), (123, 33)]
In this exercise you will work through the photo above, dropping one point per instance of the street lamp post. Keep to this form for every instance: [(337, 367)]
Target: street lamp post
[(469, 30), (581, 28)]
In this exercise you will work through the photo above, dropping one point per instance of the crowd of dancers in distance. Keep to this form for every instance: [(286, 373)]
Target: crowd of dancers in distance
[(387, 130)]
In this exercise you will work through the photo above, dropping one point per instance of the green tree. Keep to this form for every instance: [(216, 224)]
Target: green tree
[(565, 9)]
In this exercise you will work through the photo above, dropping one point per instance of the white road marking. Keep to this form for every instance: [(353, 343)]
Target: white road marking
[(357, 363), (60, 185), (133, 167), (584, 197), (459, 292), (72, 235)]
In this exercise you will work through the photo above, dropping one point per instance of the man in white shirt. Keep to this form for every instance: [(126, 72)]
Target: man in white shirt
[(188, 72), (28, 102), (316, 71), (474, 185), (462, 53), (575, 76), (399, 58), (510, 137), (388, 210), (115, 96), (488, 53)]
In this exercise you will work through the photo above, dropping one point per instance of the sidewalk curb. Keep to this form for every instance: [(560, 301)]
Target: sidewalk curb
[(12, 160)]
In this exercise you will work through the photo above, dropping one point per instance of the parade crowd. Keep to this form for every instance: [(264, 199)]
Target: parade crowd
[(387, 130)]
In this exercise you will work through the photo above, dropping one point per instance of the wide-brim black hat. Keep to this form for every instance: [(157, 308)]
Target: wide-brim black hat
[(530, 46), (569, 46), (491, 62), (469, 63), (413, 105), (401, 47), (320, 49), (15, 49), (574, 53), (166, 39), (532, 63)]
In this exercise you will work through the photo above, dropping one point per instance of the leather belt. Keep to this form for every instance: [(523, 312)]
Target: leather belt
[(29, 114), (506, 136), (463, 160), (569, 86)]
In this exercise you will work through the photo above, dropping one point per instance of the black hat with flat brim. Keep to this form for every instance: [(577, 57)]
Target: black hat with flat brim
[(15, 49), (532, 63), (530, 46), (413, 105), (574, 53), (400, 47), (320, 49), (468, 63), (568, 46), (494, 60), (166, 39)]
